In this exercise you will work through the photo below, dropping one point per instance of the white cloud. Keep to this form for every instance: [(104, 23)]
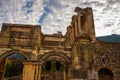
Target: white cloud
[(15, 13), (105, 16), (61, 14), (55, 15)]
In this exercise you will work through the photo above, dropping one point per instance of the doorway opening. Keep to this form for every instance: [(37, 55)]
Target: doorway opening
[(13, 67), (105, 74), (52, 70)]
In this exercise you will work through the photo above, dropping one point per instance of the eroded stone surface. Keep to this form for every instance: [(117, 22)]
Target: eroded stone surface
[(81, 54)]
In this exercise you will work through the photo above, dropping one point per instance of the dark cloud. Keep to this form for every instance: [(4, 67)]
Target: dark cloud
[(108, 25), (98, 4), (116, 30), (118, 23), (29, 11), (86, 4), (111, 2), (91, 3), (107, 8), (1, 3)]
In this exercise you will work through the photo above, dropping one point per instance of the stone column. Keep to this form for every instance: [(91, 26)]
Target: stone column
[(79, 24), (76, 28), (92, 75), (66, 73), (38, 72), (69, 73), (73, 37), (75, 62), (32, 70), (86, 57)]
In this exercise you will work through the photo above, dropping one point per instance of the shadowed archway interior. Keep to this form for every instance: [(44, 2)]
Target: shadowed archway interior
[(105, 74), (52, 70), (11, 65), (55, 66)]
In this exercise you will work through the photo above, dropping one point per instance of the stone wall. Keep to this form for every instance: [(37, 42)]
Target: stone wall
[(78, 50)]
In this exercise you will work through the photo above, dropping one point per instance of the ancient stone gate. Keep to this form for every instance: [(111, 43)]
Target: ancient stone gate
[(81, 54)]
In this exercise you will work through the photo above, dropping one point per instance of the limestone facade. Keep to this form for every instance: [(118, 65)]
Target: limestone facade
[(81, 54)]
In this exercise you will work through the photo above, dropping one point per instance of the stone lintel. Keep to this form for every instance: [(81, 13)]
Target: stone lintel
[(32, 62)]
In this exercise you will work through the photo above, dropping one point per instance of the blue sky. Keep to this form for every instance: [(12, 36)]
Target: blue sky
[(55, 15)]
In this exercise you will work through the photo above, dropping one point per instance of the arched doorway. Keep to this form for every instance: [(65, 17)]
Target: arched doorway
[(52, 70), (105, 74), (11, 63), (55, 67)]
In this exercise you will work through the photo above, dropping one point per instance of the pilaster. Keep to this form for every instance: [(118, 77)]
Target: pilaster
[(32, 70)]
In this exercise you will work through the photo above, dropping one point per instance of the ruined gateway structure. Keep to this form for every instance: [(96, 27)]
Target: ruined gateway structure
[(81, 54)]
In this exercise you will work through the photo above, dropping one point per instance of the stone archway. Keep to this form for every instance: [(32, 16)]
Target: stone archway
[(58, 57), (53, 53), (3, 61), (105, 74), (8, 53)]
